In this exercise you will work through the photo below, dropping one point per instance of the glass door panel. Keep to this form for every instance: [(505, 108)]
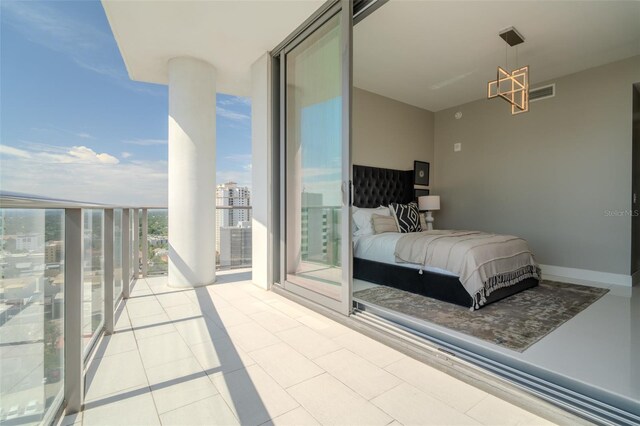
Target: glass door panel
[(316, 151)]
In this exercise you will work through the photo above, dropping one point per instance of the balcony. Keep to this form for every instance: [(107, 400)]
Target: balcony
[(89, 325), (232, 354)]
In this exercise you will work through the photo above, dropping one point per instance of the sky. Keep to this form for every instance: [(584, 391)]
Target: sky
[(72, 123)]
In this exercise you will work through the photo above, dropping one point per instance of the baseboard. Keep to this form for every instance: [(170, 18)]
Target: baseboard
[(635, 278), (585, 276)]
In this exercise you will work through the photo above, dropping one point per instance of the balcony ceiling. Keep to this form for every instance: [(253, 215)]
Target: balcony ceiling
[(439, 54), (230, 35), (430, 54)]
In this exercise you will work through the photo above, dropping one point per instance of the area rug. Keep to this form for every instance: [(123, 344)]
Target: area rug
[(516, 322)]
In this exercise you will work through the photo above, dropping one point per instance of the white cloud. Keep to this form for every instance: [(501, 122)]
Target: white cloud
[(58, 154), (242, 158), (234, 100), (87, 155), (140, 183), (14, 152), (79, 173), (232, 115), (38, 147), (48, 132), (146, 142), (75, 154)]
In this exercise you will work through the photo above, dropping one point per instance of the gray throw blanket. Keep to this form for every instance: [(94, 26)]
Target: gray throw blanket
[(484, 262)]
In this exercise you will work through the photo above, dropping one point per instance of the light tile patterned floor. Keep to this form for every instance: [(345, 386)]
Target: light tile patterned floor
[(232, 353)]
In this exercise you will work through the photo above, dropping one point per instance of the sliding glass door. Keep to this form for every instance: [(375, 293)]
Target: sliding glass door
[(315, 130)]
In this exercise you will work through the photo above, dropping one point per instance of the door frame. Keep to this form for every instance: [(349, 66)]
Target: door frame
[(327, 11)]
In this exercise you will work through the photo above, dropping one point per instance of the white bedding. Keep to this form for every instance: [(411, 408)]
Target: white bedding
[(381, 248)]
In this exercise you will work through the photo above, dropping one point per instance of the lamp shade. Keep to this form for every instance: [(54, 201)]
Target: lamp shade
[(429, 202)]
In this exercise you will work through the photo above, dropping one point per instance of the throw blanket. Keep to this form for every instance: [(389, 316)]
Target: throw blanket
[(484, 262)]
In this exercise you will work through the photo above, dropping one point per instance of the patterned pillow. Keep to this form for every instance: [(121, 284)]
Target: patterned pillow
[(407, 217)]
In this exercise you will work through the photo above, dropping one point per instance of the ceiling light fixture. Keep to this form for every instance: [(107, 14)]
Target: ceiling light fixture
[(512, 86)]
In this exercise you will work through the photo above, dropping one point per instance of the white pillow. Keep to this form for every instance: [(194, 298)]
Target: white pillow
[(362, 219), (354, 225)]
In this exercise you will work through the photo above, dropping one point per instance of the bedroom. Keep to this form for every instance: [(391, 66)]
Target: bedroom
[(559, 176)]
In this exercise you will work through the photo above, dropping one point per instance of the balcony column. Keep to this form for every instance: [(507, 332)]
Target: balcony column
[(192, 172), (264, 191)]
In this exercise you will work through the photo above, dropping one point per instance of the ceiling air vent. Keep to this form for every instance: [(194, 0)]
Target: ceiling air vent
[(543, 92)]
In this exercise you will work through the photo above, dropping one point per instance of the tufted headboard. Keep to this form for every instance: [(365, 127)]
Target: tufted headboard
[(375, 187)]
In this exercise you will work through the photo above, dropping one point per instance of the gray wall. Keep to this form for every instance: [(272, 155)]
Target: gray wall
[(547, 175), (388, 133), (635, 220)]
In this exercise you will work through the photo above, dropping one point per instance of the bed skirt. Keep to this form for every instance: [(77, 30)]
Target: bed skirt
[(447, 288)]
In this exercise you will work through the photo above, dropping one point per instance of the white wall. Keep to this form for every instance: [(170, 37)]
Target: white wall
[(261, 183)]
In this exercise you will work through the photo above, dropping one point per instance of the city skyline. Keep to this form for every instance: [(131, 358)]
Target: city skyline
[(231, 194), (75, 127)]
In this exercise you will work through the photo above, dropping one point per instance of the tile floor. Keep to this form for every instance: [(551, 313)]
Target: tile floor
[(232, 353)]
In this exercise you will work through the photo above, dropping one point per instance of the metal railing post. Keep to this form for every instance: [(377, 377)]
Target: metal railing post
[(126, 255), (73, 306), (108, 271), (145, 242), (136, 243)]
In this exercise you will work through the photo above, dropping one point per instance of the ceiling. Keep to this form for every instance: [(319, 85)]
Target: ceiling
[(231, 35), (439, 54)]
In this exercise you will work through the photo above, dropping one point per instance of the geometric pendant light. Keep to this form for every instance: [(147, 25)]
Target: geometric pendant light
[(512, 86)]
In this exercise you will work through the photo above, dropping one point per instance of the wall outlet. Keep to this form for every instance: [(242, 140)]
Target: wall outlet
[(457, 147)]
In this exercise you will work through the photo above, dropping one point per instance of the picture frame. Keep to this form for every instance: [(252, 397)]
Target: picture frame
[(420, 193), (421, 173)]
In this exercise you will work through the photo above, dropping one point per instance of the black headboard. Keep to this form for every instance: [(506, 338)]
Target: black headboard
[(375, 187)]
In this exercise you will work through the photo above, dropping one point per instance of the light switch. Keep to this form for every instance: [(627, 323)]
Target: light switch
[(457, 147)]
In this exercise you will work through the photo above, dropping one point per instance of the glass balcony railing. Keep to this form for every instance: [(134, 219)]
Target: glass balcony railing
[(321, 235), (117, 254), (233, 239), (93, 264), (63, 269), (31, 312), (157, 241)]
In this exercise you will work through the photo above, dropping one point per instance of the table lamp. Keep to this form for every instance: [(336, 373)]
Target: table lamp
[(429, 203)]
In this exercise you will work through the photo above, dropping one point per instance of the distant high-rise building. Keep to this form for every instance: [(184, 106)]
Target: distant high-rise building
[(53, 252), (29, 242), (235, 246), (230, 194), (314, 228)]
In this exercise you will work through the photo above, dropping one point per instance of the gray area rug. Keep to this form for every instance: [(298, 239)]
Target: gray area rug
[(516, 322)]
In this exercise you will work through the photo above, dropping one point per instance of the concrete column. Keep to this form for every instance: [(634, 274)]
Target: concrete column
[(262, 190), (192, 172)]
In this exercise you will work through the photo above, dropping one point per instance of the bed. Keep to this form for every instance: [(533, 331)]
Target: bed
[(374, 255)]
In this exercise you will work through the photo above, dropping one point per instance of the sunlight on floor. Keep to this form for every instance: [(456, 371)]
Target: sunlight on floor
[(232, 353)]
